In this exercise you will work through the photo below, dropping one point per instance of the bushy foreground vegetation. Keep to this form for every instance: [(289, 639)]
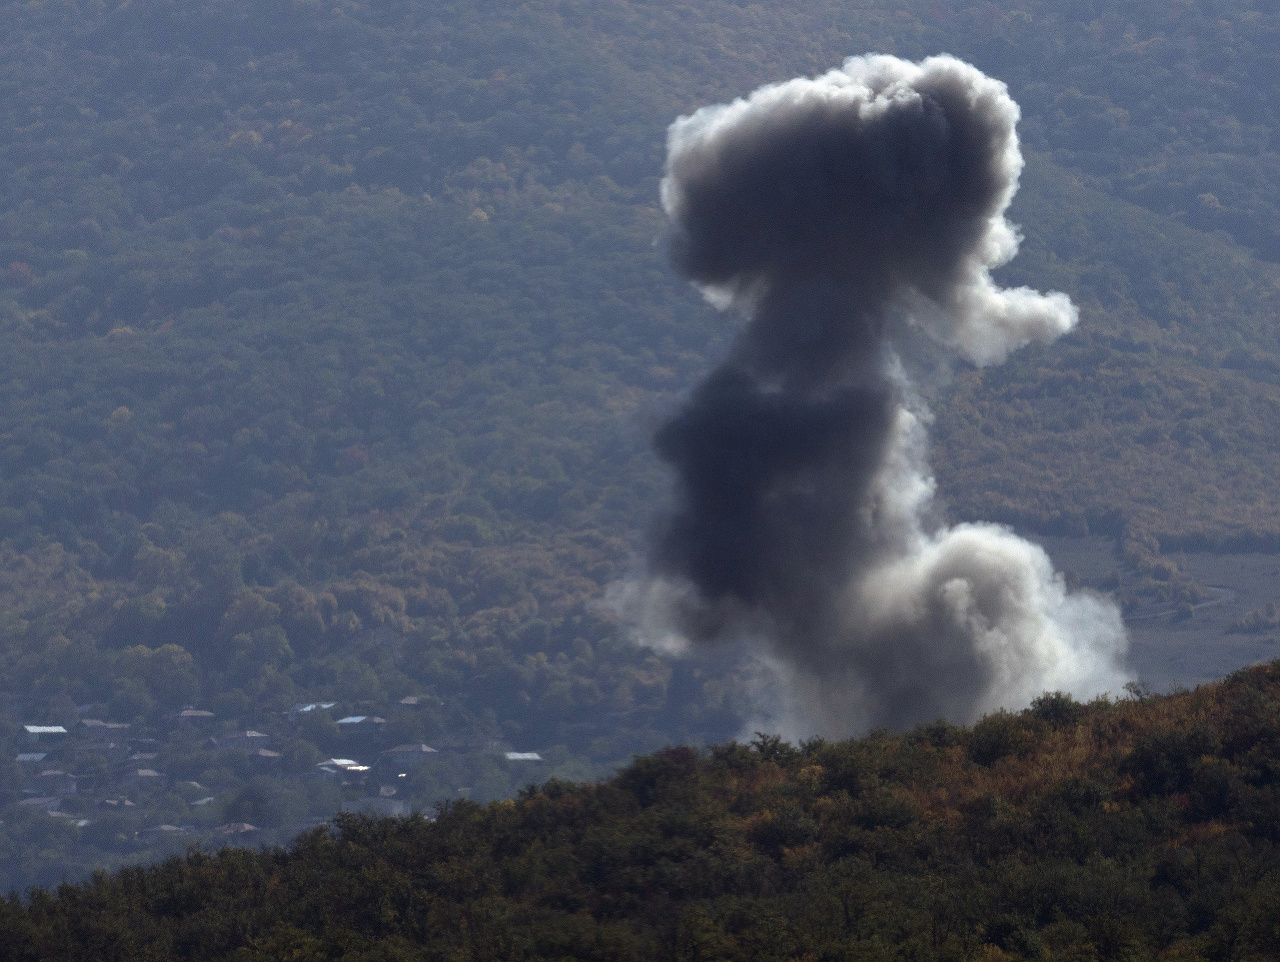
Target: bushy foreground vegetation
[(1140, 829), (331, 335)]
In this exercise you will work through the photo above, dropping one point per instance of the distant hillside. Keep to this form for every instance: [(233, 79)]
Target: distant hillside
[(1158, 415), (331, 337), (1139, 829)]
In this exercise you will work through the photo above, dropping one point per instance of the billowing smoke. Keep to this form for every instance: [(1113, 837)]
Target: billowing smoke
[(853, 220)]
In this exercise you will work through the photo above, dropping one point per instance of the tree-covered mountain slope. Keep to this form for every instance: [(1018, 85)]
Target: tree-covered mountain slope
[(1138, 829), (1158, 415), (332, 337)]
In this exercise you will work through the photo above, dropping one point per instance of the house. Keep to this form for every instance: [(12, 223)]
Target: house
[(244, 739), (194, 716), (143, 779), (346, 769), (104, 749), (54, 781), (30, 758), (522, 756), (234, 828), (98, 723), (136, 761), (46, 803), (77, 822), (310, 706), (343, 765), (362, 730), (264, 755), (406, 756), (44, 733)]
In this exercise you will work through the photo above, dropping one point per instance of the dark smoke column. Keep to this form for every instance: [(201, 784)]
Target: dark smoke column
[(853, 220)]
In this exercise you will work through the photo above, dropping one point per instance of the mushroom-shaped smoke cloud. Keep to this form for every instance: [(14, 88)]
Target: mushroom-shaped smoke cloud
[(854, 219)]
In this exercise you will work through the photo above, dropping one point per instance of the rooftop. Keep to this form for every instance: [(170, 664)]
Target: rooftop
[(359, 719), (312, 706), (234, 828)]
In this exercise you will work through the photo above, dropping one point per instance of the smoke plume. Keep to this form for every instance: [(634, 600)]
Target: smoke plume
[(853, 221)]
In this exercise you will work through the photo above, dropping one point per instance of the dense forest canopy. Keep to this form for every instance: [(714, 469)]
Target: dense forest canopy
[(1139, 829), (333, 336)]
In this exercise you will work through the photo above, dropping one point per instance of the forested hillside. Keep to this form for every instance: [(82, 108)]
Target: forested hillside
[(1138, 829), (332, 337)]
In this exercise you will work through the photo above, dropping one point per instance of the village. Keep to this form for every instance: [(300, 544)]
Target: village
[(193, 778)]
